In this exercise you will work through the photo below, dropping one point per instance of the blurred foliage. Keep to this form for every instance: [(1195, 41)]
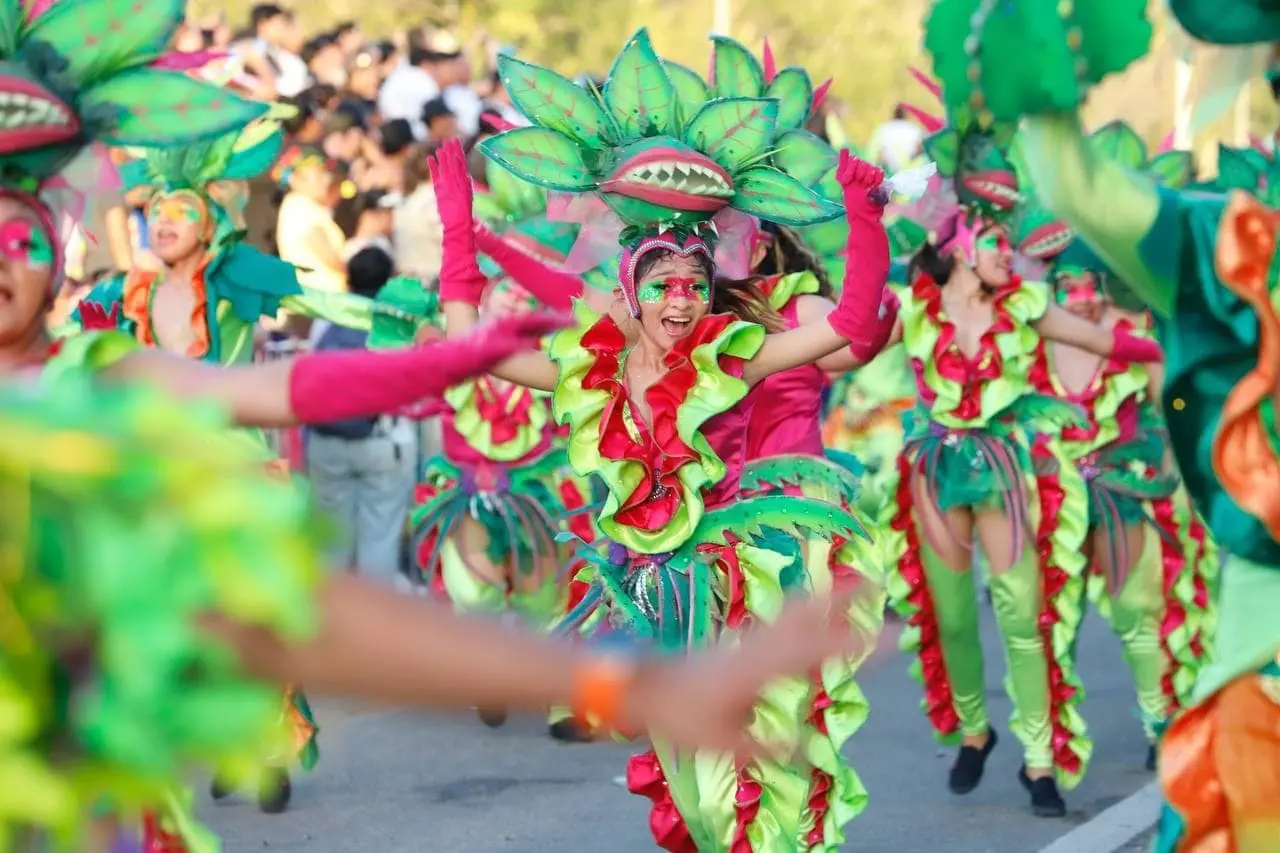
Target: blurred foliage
[(866, 45)]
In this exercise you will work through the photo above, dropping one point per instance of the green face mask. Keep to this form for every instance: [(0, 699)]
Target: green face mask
[(674, 287)]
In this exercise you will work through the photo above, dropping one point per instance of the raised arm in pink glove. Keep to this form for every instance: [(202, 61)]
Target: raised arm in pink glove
[(865, 315), (334, 385), (460, 276), (554, 288)]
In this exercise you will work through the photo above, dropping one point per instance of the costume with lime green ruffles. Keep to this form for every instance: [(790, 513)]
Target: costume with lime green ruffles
[(973, 442), (500, 470), (1158, 600), (688, 563), (1218, 756), (90, 473)]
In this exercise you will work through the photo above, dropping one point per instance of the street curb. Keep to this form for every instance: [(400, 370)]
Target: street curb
[(1115, 827)]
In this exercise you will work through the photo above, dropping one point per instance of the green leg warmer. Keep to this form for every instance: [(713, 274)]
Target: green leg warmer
[(956, 608), (1135, 617), (1016, 595)]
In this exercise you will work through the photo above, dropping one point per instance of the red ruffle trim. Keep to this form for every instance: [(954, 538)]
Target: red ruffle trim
[(1054, 579), (659, 452), (939, 701), (986, 365), (422, 493), (1172, 563), (1042, 380), (492, 403)]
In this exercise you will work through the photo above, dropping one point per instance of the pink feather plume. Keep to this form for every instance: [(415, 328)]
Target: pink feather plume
[(178, 61), (820, 95), (926, 81), (770, 67)]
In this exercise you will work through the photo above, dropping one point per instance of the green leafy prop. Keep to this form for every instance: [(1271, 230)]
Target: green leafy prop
[(401, 309), (125, 518), (1004, 59), (1118, 141), (82, 71), (658, 145)]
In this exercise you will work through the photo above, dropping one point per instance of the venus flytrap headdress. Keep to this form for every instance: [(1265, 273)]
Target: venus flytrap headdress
[(205, 173), (665, 152), (78, 72)]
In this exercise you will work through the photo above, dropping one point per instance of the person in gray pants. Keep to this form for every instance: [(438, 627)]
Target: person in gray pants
[(362, 470)]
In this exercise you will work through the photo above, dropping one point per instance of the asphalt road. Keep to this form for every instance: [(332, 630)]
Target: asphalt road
[(395, 782)]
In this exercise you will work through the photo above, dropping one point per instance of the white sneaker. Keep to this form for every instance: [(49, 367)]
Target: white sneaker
[(620, 781)]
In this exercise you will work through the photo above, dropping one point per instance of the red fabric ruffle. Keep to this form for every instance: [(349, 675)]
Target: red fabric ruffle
[(492, 405), (1172, 563), (1054, 578), (660, 452), (645, 777), (971, 374), (939, 701)]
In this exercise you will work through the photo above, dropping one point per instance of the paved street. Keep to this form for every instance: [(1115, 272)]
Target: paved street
[(392, 782)]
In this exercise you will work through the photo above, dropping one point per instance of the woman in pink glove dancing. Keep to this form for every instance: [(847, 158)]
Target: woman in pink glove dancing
[(655, 392)]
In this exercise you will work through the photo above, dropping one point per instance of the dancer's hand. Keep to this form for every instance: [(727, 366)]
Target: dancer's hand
[(863, 186), (706, 701), (452, 185)]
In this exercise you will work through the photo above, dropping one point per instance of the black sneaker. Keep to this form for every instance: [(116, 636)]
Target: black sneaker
[(1045, 799), (1151, 758), (220, 788), (274, 790), (570, 730), (966, 773)]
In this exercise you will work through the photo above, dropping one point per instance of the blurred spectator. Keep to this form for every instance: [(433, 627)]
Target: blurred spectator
[(325, 61), (362, 470), (417, 232), (896, 143), (367, 220), (343, 134), (278, 38), (395, 145), (437, 69), (364, 76), (306, 233), (496, 100), (348, 37), (440, 122)]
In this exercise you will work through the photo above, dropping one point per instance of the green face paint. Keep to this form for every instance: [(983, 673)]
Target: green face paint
[(993, 241), (23, 243), (674, 287), (176, 208)]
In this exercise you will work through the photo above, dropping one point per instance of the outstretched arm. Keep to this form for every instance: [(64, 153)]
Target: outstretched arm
[(334, 385), (554, 288), (462, 284), (1116, 211), (1064, 327), (865, 317), (376, 644)]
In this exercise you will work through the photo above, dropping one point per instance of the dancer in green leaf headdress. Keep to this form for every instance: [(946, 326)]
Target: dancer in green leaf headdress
[(1152, 566), (980, 465), (1204, 264), (655, 394)]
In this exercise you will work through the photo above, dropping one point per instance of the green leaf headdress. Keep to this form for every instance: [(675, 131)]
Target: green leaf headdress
[(77, 72), (400, 310), (516, 210), (1118, 141), (660, 148), (204, 174)]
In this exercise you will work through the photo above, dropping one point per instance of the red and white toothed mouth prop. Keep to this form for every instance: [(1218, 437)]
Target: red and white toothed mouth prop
[(681, 179), (997, 187), (1046, 241), (534, 249), (31, 116)]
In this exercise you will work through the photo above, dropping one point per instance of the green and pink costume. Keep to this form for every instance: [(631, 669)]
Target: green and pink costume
[(1205, 265), (686, 558)]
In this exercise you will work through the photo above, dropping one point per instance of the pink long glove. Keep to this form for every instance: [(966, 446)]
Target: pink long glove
[(865, 315), (333, 386), (554, 288), (460, 276), (1128, 347)]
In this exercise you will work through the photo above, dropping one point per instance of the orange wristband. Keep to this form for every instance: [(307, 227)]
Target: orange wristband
[(600, 687)]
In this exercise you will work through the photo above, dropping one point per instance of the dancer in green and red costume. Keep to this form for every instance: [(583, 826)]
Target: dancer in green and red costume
[(1151, 564), (656, 392), (975, 470), (1205, 266)]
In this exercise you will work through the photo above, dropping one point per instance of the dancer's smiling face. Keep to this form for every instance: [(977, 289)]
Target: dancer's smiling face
[(26, 272), (674, 293), (993, 257), (177, 225)]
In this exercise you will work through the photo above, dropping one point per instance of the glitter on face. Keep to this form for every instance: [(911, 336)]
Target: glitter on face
[(675, 287)]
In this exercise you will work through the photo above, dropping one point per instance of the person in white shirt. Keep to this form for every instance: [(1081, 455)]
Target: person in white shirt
[(278, 38), (896, 144), (427, 75)]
